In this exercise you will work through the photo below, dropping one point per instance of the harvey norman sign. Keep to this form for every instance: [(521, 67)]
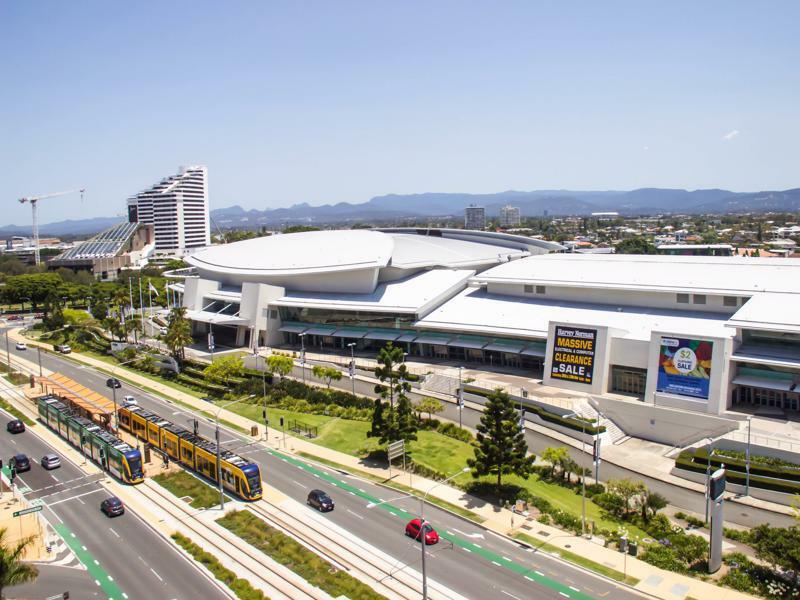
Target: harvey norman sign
[(573, 354)]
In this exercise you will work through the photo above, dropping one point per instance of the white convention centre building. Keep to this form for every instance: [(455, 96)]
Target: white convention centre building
[(694, 333)]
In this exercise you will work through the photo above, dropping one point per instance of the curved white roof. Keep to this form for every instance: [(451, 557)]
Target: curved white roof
[(299, 253), (416, 251)]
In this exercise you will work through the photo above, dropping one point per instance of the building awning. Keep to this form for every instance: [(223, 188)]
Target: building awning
[(350, 332), (468, 341), (407, 337), (292, 328), (509, 347), (206, 316), (320, 330), (781, 385), (383, 334), (534, 350), (433, 339), (73, 392)]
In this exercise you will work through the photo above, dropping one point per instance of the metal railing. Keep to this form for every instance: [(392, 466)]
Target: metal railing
[(771, 441)]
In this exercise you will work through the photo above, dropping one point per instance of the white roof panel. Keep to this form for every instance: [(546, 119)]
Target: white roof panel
[(779, 312), (414, 251), (409, 295), (529, 318), (297, 253), (732, 275)]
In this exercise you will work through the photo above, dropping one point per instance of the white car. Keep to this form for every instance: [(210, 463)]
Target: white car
[(129, 401), (21, 346), (163, 331)]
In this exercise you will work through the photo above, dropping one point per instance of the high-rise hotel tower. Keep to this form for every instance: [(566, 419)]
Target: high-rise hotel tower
[(177, 206)]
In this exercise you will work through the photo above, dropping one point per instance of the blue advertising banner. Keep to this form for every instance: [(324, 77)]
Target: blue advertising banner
[(684, 367)]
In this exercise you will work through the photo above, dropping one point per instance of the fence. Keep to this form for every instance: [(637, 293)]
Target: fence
[(763, 440), (309, 431)]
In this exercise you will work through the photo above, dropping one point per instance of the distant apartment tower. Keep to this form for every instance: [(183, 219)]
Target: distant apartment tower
[(474, 217), (177, 207), (509, 216)]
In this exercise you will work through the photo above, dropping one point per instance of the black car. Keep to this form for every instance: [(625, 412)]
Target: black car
[(320, 500), (20, 463), (15, 426), (112, 507), (113, 382)]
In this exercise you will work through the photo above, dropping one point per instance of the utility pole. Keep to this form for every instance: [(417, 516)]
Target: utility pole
[(460, 397), (303, 356)]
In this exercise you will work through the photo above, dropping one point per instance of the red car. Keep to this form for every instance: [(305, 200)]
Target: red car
[(413, 527)]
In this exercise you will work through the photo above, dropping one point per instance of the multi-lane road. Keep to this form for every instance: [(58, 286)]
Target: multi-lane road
[(679, 497), (123, 556), (470, 560)]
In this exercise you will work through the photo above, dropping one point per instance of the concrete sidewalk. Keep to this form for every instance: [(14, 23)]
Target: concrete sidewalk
[(655, 581)]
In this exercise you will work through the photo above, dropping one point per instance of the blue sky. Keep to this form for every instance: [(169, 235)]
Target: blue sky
[(325, 102)]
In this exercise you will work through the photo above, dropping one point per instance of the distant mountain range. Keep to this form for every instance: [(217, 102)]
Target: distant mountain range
[(645, 201)]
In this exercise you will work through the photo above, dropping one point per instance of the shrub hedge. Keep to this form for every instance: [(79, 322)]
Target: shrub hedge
[(686, 460)]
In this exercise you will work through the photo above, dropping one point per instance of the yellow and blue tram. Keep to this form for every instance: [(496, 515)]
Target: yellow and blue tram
[(115, 456), (240, 476)]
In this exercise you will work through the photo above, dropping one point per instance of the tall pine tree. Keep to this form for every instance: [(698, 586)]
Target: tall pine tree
[(398, 422), (501, 448), (377, 419)]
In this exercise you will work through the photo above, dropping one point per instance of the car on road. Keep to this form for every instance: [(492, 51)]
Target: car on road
[(320, 500), (20, 463), (15, 426), (21, 346), (51, 461), (13, 318), (63, 348), (112, 507), (113, 382), (129, 401), (413, 531)]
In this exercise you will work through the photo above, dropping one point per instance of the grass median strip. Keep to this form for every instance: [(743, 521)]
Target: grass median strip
[(183, 484), (241, 587), (577, 559), (16, 412), (286, 551)]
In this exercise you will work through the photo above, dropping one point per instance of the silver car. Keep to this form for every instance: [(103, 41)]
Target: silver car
[(51, 461)]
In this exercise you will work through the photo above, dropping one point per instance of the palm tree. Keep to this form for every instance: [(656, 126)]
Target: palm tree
[(12, 570), (179, 332)]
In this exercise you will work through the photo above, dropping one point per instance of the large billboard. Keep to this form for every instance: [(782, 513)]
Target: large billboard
[(684, 367), (573, 354)]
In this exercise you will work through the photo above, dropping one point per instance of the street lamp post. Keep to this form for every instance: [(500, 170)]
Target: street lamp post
[(747, 457), (583, 480), (352, 346), (264, 393), (460, 397), (708, 475), (216, 439), (113, 387), (303, 356), (423, 522)]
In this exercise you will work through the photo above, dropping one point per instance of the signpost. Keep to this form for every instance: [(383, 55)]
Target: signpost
[(396, 449), (716, 495), (27, 511)]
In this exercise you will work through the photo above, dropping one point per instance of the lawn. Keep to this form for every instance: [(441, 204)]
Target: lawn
[(293, 555), (241, 587), (182, 484)]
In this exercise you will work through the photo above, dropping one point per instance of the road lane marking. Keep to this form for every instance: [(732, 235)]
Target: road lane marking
[(114, 532), (497, 564), (75, 497), (97, 573), (511, 595), (300, 484), (157, 575), (355, 514), (574, 589)]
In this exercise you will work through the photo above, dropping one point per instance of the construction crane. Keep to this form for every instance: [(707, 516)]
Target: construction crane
[(34, 200)]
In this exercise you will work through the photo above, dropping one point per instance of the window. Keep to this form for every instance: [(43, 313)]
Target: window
[(628, 380), (683, 298), (699, 299), (729, 301), (528, 289), (273, 313), (540, 289)]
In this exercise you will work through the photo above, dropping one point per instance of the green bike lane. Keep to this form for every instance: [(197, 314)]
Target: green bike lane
[(528, 573), (101, 577)]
